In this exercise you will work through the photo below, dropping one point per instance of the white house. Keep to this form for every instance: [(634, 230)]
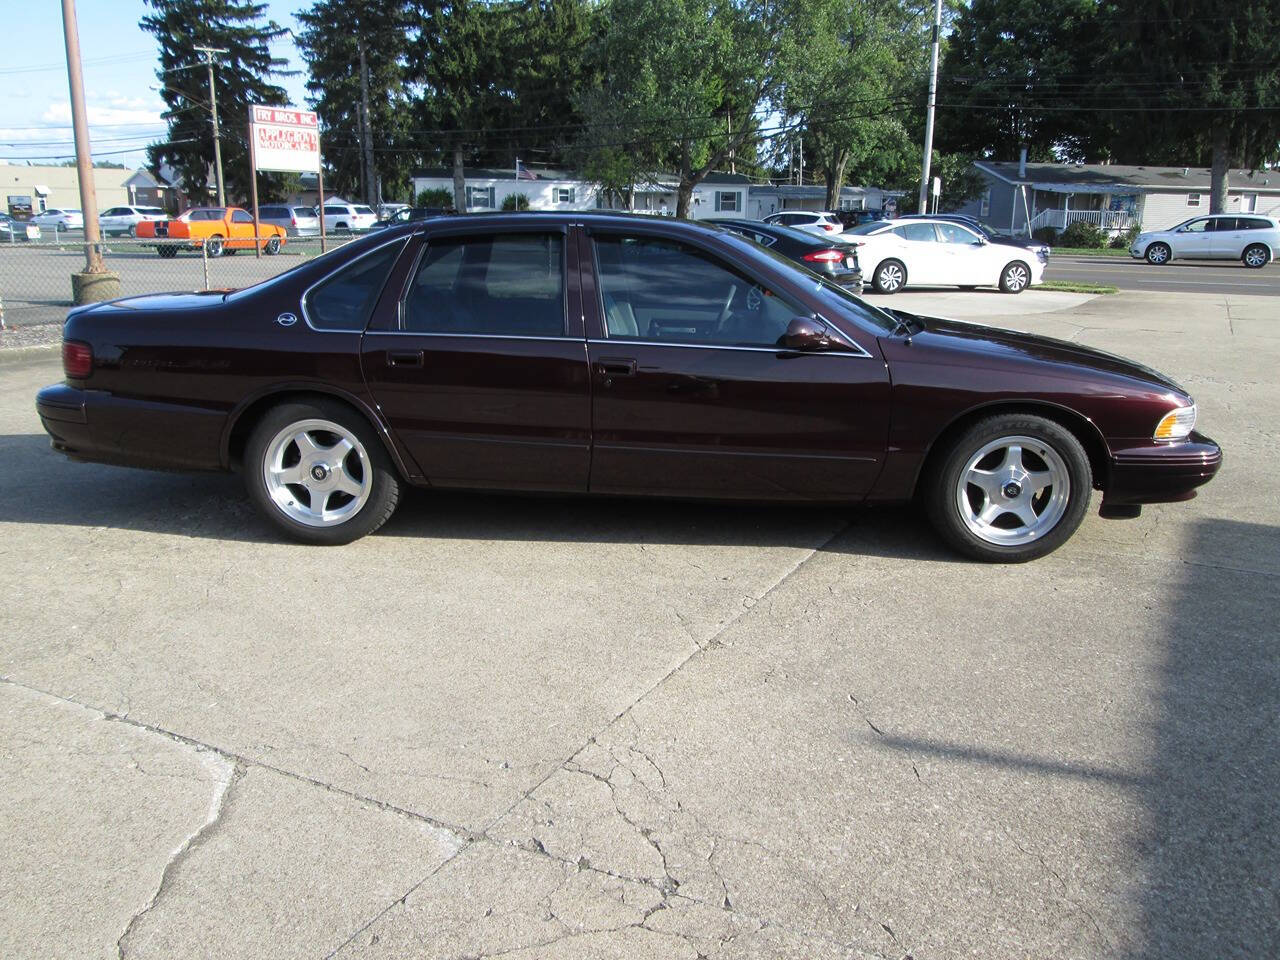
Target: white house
[(1022, 197)]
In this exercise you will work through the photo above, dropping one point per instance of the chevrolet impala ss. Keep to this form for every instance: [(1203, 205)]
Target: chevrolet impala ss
[(601, 353)]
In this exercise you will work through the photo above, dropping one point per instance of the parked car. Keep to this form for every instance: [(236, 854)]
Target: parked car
[(295, 221), (217, 230), (938, 253), (1041, 250), (1253, 239), (123, 221), (387, 210), (835, 260), (410, 214), (823, 222), (59, 219), (855, 218), (348, 218), (589, 352), (13, 230)]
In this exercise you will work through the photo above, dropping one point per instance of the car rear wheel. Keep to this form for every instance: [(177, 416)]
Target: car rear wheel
[(1158, 253), (213, 247), (1015, 277), (342, 228), (133, 230), (319, 473), (1011, 488), (890, 277), (1256, 256)]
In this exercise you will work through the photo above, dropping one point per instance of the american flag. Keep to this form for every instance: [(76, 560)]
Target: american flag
[(524, 173)]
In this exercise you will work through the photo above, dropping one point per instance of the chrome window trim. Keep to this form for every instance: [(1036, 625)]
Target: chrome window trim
[(468, 336), (302, 301), (859, 354)]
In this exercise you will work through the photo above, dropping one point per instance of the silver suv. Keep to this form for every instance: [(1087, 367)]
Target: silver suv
[(1251, 238)]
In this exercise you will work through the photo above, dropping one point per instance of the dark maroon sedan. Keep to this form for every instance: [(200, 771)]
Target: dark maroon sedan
[(600, 353)]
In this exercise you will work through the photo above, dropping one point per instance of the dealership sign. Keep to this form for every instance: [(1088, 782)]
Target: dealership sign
[(285, 140)]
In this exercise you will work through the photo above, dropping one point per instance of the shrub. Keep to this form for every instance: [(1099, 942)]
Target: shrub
[(515, 201), (1047, 235), (1123, 241), (436, 197), (1080, 233)]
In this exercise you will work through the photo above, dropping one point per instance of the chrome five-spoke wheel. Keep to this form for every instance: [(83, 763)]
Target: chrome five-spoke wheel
[(1010, 488), (317, 472), (1013, 490)]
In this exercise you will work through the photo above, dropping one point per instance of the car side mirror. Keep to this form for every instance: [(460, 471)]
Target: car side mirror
[(808, 335)]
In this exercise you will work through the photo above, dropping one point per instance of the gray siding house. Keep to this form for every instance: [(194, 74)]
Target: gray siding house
[(1023, 197)]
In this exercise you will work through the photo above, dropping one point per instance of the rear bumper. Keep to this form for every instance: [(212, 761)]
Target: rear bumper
[(96, 426), (1162, 473)]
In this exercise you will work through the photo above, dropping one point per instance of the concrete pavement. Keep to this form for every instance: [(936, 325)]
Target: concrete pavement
[(561, 729)]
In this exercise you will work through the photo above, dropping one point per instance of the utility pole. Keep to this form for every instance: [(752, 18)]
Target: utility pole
[(933, 104), (213, 104), (366, 135), (96, 282)]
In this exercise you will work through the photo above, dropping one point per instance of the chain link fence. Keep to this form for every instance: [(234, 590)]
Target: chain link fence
[(35, 276)]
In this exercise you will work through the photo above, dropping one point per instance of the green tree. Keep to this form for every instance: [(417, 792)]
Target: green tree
[(356, 53), (241, 77), (1192, 80)]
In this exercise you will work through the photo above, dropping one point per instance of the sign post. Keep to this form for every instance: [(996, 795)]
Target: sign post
[(283, 140)]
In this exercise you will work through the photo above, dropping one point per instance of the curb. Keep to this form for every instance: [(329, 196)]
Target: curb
[(33, 354)]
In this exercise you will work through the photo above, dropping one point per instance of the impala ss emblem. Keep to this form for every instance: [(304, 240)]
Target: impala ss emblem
[(286, 319)]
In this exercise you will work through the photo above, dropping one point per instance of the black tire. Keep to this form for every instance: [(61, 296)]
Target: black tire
[(272, 247), (167, 252), (384, 492), (890, 277), (1256, 255), (1015, 277), (214, 247), (341, 228), (1159, 254), (943, 491), (133, 230)]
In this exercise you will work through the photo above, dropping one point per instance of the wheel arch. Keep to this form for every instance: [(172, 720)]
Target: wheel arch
[(1081, 427), (242, 419)]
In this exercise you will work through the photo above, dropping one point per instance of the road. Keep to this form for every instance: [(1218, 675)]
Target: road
[(566, 729), (1177, 277)]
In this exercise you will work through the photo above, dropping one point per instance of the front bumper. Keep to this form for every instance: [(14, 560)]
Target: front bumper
[(1162, 472), (1137, 253)]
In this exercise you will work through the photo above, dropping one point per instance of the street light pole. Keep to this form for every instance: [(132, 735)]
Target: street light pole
[(933, 103), (213, 104)]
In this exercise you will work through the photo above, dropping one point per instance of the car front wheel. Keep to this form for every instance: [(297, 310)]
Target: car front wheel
[(1011, 488), (890, 277), (319, 473), (272, 247), (1015, 277), (1256, 256), (1158, 253)]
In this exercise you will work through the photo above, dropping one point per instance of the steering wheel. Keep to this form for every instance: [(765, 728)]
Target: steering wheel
[(727, 310)]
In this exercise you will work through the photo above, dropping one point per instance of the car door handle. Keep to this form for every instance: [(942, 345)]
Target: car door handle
[(404, 358), (616, 366)]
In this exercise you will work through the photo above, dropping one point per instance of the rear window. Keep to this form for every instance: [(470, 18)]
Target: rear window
[(868, 228), (346, 300), (1250, 223), (364, 210), (333, 210), (303, 212), (151, 211)]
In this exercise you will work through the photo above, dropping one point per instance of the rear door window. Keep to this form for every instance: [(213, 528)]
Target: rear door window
[(345, 300), (491, 285), (916, 232)]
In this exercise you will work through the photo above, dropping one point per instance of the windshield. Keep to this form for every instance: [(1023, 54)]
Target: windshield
[(866, 229)]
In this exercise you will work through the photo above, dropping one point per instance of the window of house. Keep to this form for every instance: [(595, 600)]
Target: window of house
[(726, 201), (480, 197), (1193, 199), (984, 205), (658, 290), (346, 300), (492, 285), (565, 194)]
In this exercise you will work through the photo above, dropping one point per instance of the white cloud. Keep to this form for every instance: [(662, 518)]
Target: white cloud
[(118, 112)]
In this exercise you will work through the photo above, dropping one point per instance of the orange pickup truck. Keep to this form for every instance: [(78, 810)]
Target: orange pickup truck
[(217, 229)]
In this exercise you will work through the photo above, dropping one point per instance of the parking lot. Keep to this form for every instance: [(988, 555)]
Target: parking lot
[(548, 728)]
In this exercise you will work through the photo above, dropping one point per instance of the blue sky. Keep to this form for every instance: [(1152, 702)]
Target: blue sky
[(119, 70)]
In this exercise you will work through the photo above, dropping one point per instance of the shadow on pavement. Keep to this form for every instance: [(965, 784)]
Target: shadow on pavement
[(46, 488), (1207, 863)]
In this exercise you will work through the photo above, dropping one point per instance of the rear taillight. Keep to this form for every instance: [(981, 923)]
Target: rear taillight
[(293, 221), (77, 359), (829, 227), (824, 256)]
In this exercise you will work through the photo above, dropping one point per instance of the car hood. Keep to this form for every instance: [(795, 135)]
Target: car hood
[(997, 342)]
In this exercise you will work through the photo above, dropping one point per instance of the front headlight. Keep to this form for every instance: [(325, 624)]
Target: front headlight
[(1176, 424)]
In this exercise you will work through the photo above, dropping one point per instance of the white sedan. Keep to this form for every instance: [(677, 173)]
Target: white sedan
[(61, 218), (117, 221), (938, 253)]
